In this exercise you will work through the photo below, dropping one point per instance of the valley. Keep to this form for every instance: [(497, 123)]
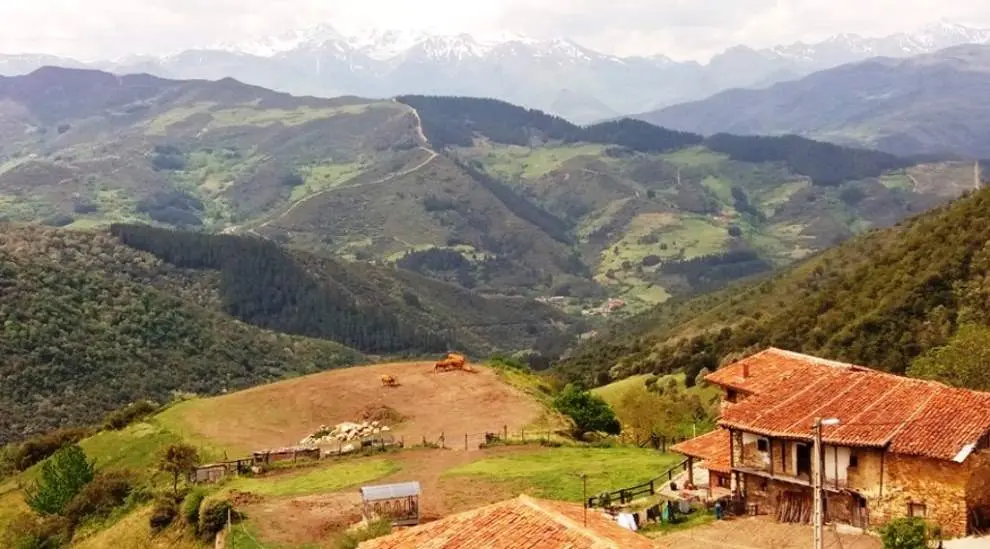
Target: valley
[(620, 210)]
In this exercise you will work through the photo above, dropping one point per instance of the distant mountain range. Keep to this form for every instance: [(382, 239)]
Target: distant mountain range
[(557, 76), (932, 103)]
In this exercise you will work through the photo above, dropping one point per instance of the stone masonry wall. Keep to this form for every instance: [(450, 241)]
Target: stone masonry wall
[(939, 485)]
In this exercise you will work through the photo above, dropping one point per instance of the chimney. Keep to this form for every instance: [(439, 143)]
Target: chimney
[(745, 372)]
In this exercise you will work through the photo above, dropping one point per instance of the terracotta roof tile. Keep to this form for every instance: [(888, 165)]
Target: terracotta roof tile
[(713, 448), (876, 409), (520, 523)]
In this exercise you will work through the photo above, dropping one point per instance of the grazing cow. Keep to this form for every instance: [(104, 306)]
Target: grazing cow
[(389, 381)]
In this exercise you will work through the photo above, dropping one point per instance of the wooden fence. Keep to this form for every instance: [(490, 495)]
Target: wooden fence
[(626, 495)]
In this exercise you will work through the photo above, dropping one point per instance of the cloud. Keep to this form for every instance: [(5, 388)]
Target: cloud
[(681, 28)]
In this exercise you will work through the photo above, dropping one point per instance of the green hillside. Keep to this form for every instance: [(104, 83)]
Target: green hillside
[(480, 193), (91, 321), (911, 298)]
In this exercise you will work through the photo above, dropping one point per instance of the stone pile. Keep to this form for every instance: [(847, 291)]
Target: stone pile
[(345, 432)]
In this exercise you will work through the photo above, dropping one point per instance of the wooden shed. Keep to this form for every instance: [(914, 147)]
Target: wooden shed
[(211, 472), (399, 502)]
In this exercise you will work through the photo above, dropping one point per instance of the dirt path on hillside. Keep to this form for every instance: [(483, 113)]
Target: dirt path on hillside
[(292, 207), (424, 146)]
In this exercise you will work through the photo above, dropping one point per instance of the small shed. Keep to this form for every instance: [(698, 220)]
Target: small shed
[(399, 502), (211, 472)]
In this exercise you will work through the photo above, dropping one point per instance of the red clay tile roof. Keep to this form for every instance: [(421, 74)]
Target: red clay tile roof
[(520, 523), (713, 448), (876, 409), (768, 367)]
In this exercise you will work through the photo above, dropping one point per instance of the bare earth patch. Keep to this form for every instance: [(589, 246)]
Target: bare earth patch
[(319, 519), (280, 414), (761, 533)]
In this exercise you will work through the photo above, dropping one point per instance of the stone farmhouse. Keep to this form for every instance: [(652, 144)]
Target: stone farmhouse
[(901, 447)]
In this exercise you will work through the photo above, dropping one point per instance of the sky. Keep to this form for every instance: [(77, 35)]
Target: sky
[(682, 29)]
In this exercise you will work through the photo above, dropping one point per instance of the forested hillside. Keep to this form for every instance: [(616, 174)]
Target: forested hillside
[(883, 299), (88, 325), (89, 321), (373, 309), (655, 214)]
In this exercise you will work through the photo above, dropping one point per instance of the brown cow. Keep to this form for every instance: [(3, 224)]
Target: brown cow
[(389, 381)]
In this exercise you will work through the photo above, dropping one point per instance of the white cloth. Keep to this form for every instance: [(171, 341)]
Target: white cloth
[(626, 521)]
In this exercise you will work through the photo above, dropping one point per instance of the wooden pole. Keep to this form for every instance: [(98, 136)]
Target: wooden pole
[(584, 496), (465, 441), (817, 484)]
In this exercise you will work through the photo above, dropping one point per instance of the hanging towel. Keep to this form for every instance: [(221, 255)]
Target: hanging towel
[(626, 521)]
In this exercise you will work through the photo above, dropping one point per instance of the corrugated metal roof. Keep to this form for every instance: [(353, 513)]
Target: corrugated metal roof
[(389, 491)]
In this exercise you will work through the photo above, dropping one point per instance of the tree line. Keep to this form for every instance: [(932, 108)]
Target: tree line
[(261, 284), (456, 121)]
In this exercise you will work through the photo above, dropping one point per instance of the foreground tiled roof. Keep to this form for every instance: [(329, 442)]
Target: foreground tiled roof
[(713, 448), (875, 409), (520, 523)]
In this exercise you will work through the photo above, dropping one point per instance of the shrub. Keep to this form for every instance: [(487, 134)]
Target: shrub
[(651, 260), (589, 412), (118, 419), (62, 477), (505, 361), (699, 380), (734, 231), (905, 533), (107, 491), (36, 449), (191, 505), (213, 516), (163, 514), (27, 531)]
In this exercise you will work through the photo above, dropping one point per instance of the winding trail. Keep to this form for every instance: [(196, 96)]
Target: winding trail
[(292, 207)]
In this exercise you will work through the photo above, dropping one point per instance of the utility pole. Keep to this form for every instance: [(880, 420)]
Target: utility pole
[(584, 496), (819, 478), (816, 482)]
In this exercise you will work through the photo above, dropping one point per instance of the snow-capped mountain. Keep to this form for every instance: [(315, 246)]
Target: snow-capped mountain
[(559, 75), (847, 48)]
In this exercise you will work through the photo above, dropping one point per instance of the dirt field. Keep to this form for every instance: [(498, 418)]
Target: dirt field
[(281, 414), (317, 519), (761, 533)]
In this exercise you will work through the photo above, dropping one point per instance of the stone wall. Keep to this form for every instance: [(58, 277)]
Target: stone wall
[(939, 485)]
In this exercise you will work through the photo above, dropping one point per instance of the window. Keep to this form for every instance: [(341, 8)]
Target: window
[(763, 445), (917, 509), (853, 461), (730, 395)]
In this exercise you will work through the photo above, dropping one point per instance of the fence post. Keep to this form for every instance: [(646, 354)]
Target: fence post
[(505, 431), (443, 441), (522, 434), (465, 441), (652, 489)]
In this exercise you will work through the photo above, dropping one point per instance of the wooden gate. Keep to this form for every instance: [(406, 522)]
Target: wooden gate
[(794, 507)]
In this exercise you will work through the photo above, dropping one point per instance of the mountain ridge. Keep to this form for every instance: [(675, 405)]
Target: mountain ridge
[(925, 104), (533, 72)]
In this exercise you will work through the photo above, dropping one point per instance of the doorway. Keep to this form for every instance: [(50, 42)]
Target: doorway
[(803, 460)]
